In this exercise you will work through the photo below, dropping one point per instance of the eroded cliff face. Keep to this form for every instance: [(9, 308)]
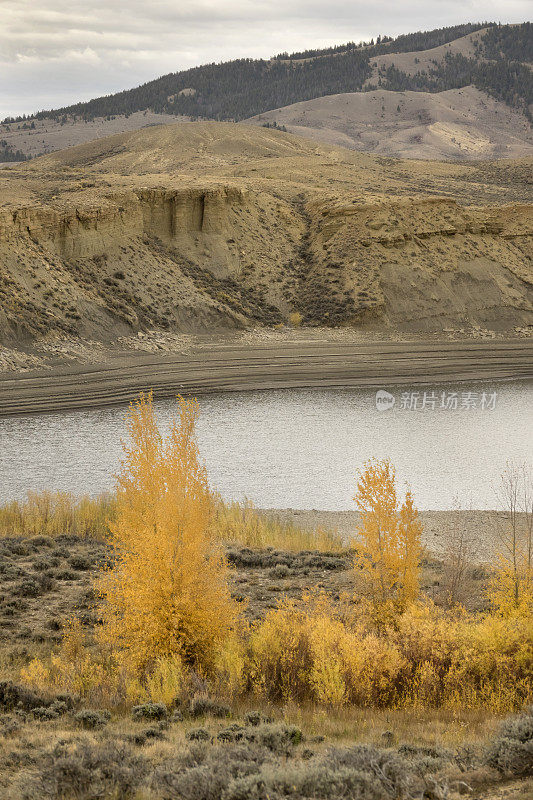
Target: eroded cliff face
[(219, 256), (192, 259), (423, 265)]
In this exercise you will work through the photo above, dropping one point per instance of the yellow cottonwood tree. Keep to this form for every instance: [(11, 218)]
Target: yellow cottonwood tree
[(390, 534), (166, 593)]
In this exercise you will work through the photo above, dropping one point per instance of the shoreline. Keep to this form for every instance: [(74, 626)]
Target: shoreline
[(230, 365), (482, 528)]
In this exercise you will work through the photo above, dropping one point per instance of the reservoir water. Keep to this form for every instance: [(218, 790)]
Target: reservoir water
[(298, 448)]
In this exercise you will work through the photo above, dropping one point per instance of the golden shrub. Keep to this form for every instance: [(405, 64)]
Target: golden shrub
[(165, 683), (510, 590), (75, 668), (167, 609), (307, 653), (295, 319), (36, 674), (427, 658), (495, 661), (229, 672)]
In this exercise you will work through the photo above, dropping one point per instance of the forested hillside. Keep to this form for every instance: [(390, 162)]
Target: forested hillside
[(498, 63), (515, 42), (500, 67), (234, 90), (406, 43)]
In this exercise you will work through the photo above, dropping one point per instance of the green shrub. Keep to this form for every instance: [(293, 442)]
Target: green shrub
[(80, 562), (41, 541), (279, 738), (45, 713), (279, 571), (85, 771), (255, 718), (308, 782), (198, 735), (233, 733), (203, 706), (14, 697)]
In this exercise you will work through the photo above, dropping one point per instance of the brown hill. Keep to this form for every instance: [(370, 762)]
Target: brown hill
[(191, 147), (457, 124), (462, 123), (204, 226)]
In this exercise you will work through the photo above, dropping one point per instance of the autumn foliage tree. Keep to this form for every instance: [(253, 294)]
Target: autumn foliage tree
[(390, 537), (166, 594)]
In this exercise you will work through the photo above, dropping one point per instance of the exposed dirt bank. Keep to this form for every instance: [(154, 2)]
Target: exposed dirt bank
[(232, 364)]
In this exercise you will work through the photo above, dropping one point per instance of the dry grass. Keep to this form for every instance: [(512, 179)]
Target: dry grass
[(27, 756), (240, 523), (62, 514), (57, 514), (56, 758), (425, 727)]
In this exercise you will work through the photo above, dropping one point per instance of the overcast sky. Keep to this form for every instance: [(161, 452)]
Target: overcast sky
[(56, 52)]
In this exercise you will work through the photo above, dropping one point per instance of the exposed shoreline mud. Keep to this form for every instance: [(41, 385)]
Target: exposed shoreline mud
[(233, 364)]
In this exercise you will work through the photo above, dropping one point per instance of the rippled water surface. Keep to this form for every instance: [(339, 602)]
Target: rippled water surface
[(297, 448)]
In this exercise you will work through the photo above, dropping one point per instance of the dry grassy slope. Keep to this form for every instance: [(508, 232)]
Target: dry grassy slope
[(196, 148), (49, 135), (458, 124), (420, 60), (202, 226)]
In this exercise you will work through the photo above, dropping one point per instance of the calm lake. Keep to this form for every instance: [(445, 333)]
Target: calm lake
[(298, 448)]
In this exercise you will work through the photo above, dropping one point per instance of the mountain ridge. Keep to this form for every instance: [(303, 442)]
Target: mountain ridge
[(495, 60)]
